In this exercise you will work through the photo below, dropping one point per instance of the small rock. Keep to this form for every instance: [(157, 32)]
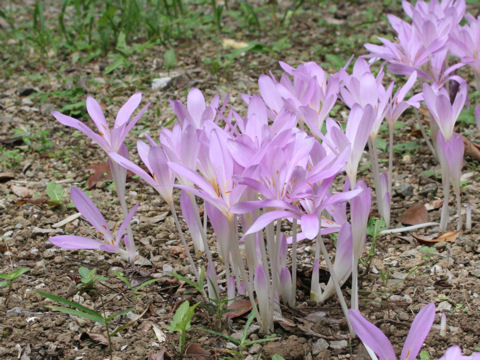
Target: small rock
[(161, 83), (230, 346), (407, 159), (404, 189), (338, 344), (403, 316), (430, 188), (444, 306), (319, 346), (73, 326), (167, 268), (475, 273), (255, 348)]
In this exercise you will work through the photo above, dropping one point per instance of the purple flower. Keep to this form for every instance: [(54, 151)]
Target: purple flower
[(465, 42), (109, 140), (376, 340), (442, 110), (455, 353), (105, 240), (450, 153), (196, 113)]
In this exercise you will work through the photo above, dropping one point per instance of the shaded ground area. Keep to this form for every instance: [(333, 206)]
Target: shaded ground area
[(36, 150)]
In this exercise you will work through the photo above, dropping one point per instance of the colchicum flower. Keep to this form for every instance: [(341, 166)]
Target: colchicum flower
[(105, 239)]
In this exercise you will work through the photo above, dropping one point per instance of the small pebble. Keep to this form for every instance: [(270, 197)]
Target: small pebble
[(339, 344)]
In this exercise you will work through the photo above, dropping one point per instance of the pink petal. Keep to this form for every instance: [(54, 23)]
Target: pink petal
[(75, 242), (310, 225), (418, 332), (96, 113), (127, 109), (371, 336)]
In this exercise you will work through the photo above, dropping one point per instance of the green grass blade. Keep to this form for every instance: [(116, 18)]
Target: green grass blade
[(146, 283), (94, 317), (68, 302), (111, 317), (229, 338)]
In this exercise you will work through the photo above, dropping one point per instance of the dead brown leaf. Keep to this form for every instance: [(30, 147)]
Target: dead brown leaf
[(159, 355), (99, 338), (178, 251), (101, 172), (238, 308), (416, 214), (448, 236), (35, 201), (6, 176), (195, 351), (21, 191), (434, 205), (471, 148)]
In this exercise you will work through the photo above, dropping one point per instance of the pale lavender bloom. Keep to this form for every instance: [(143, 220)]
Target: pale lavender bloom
[(450, 153), (311, 94), (442, 110), (359, 126), (397, 105), (376, 340), (196, 113), (261, 286), (455, 353), (190, 218), (285, 285), (109, 140), (465, 42), (359, 211), (343, 260), (363, 88), (105, 241), (477, 116)]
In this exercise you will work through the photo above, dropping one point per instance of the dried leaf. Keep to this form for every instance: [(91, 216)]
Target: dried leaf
[(436, 204), (36, 201), (238, 307), (99, 338), (6, 176), (179, 251), (155, 219), (416, 214), (471, 148), (161, 337), (101, 172), (160, 355), (195, 351), (448, 236), (22, 191), (234, 44)]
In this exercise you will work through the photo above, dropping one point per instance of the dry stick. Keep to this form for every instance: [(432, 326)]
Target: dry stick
[(372, 150), (407, 228), (341, 299), (184, 242), (456, 190), (293, 294)]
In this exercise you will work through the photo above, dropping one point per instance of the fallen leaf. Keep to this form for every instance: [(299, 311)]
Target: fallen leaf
[(161, 337), (416, 214), (238, 308), (155, 219), (36, 201), (22, 191), (179, 251), (435, 204), (101, 172), (6, 176), (99, 338), (471, 148), (195, 351), (160, 355), (234, 44), (448, 236)]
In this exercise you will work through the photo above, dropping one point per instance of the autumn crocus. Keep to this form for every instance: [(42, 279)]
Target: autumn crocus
[(455, 353), (376, 340), (450, 148), (105, 239), (111, 140)]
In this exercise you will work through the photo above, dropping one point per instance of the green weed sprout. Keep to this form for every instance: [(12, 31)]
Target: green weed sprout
[(88, 278), (9, 278), (87, 313), (197, 286), (374, 228), (243, 343), (181, 323), (133, 289)]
